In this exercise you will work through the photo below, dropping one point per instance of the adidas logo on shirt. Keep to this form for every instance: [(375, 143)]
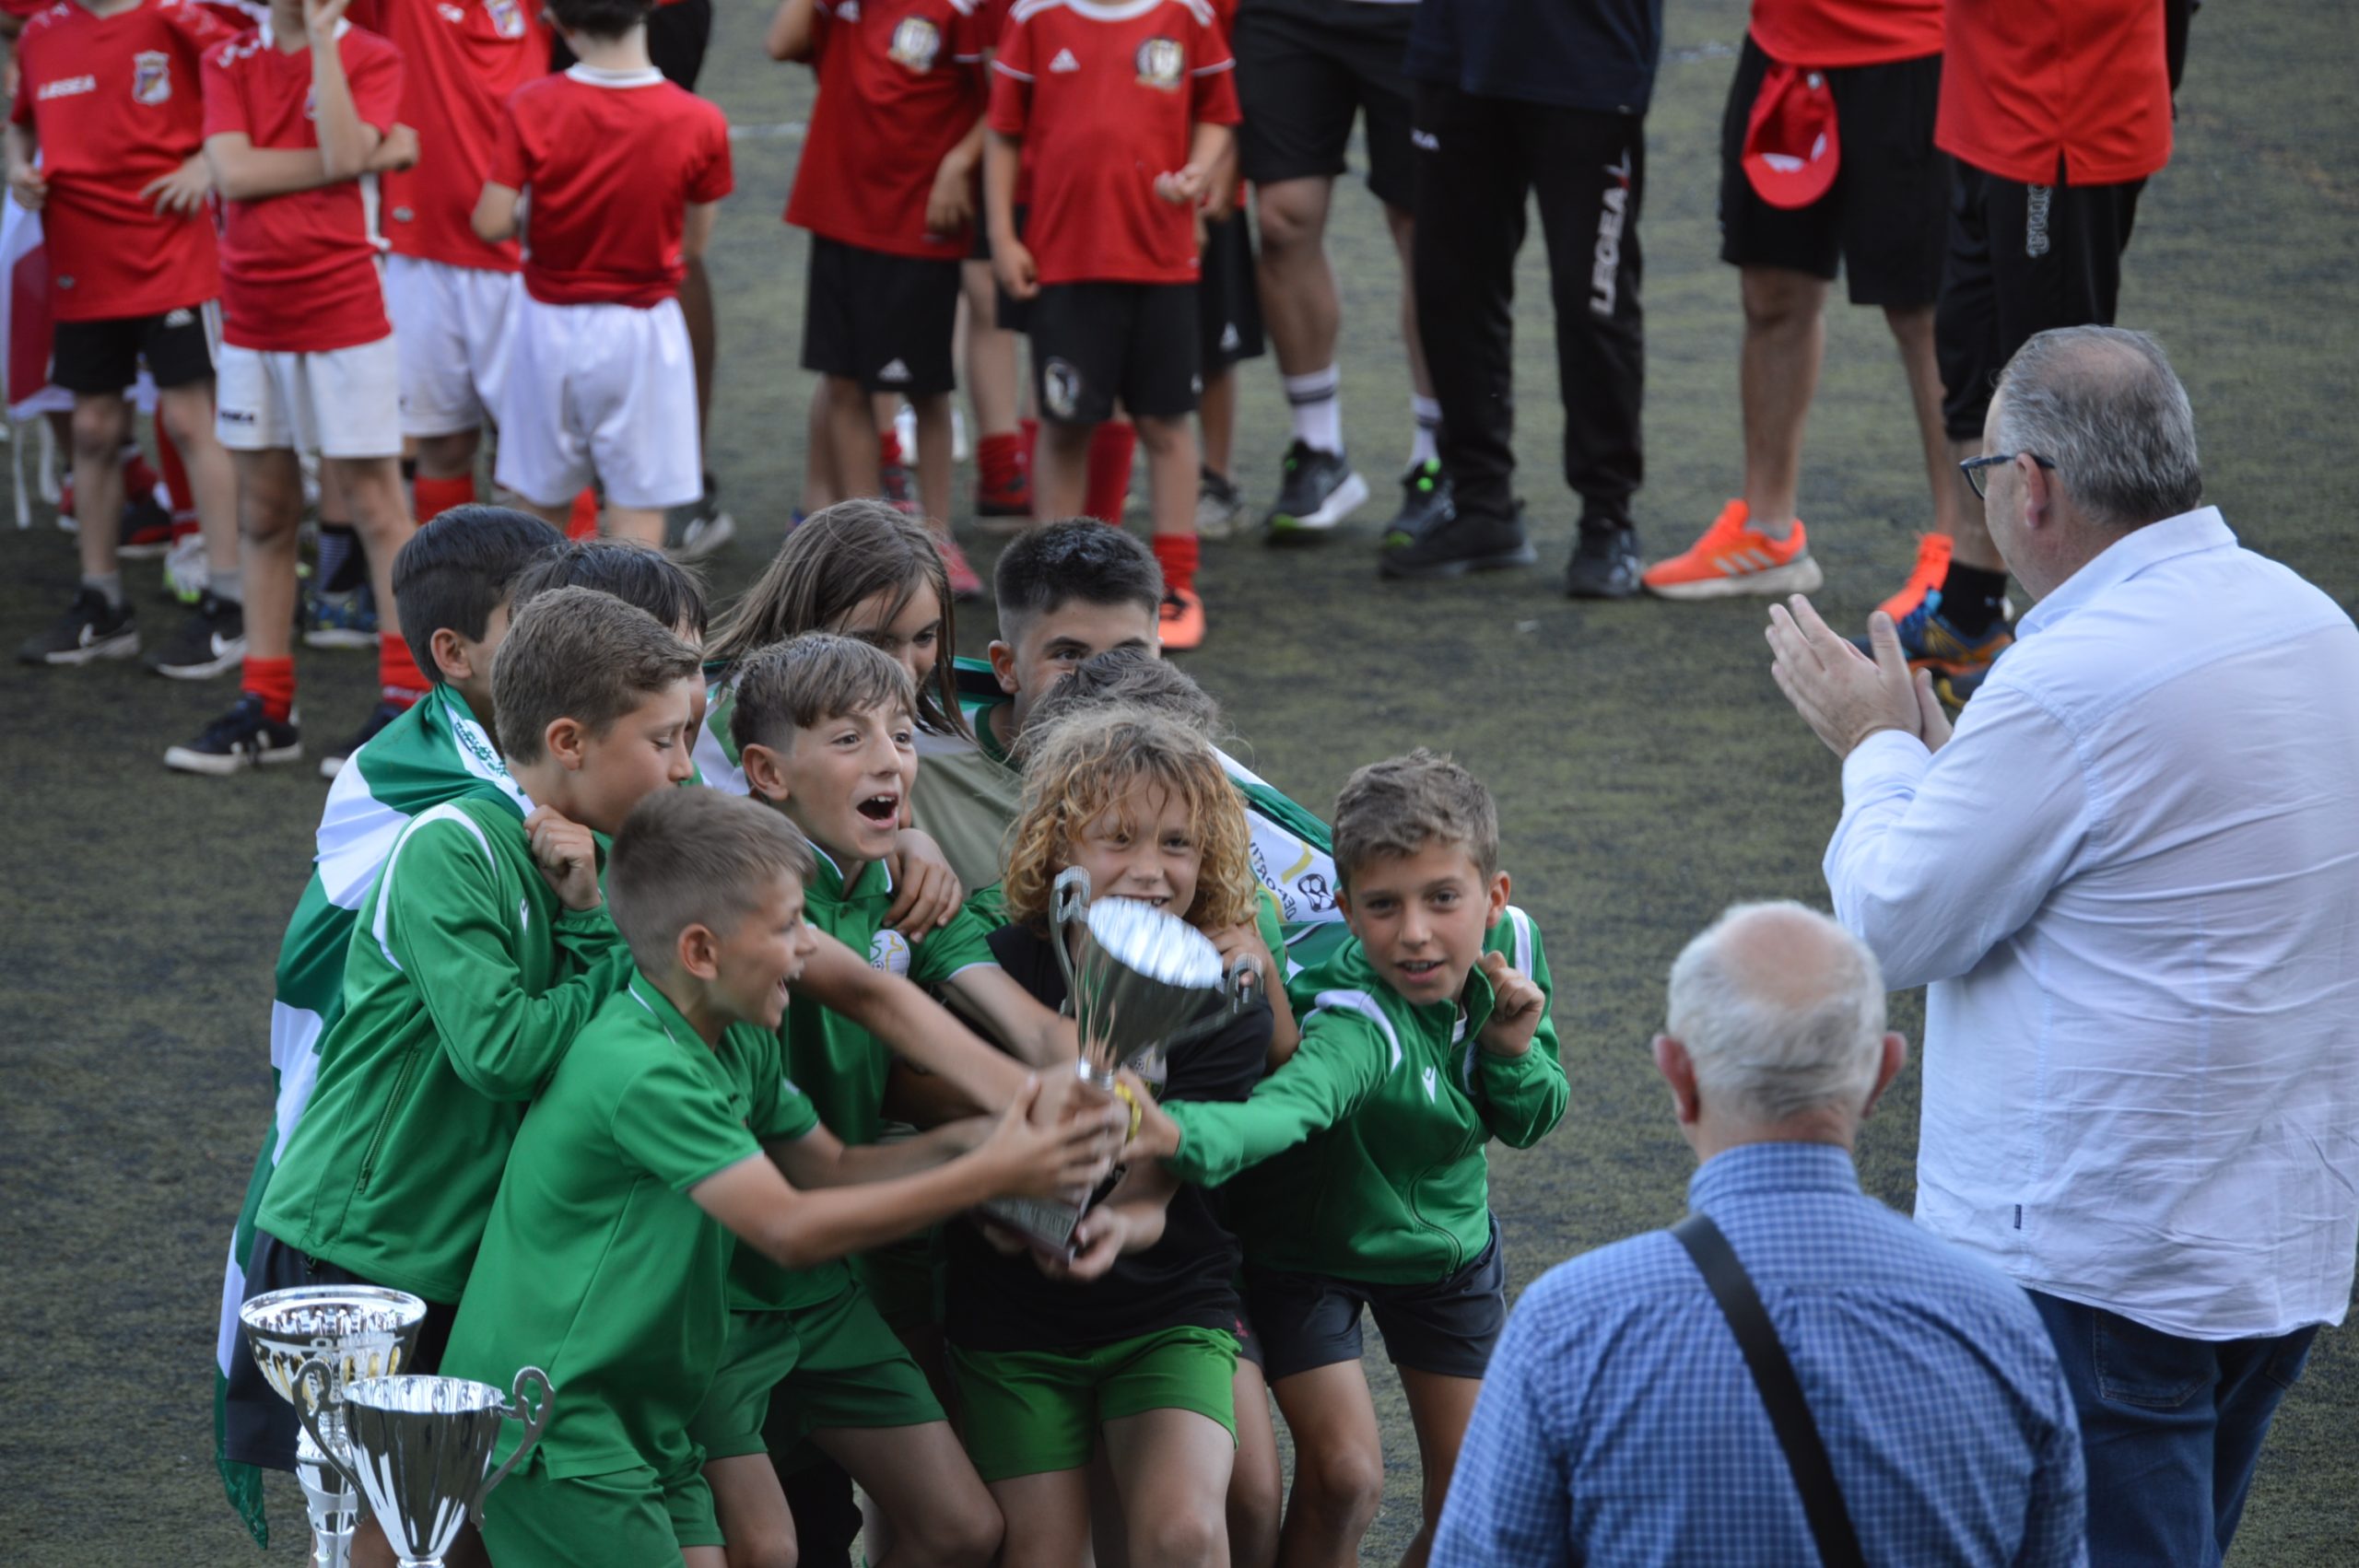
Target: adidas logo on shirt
[(179, 318), (1064, 61), (894, 371)]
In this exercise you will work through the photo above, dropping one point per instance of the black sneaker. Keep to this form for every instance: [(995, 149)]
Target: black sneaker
[(693, 532), (211, 640), (90, 629), (244, 737), (384, 713), (1448, 544), (1605, 563), (1319, 490), (1425, 494)]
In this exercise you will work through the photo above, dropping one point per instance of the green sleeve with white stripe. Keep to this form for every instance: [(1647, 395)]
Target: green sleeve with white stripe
[(1523, 1097), (1342, 1060)]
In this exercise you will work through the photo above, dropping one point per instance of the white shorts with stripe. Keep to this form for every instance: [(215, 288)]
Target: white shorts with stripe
[(342, 403), (607, 391), (453, 325)]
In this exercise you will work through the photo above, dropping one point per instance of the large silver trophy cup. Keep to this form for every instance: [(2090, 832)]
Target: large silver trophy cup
[(419, 1449), (1138, 981), (350, 1333)]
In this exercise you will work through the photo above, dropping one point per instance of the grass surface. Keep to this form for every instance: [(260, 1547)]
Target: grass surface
[(1647, 772)]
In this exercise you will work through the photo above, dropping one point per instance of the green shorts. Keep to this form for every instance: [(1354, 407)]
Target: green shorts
[(763, 1348), (632, 1518), (851, 1372), (1028, 1412)]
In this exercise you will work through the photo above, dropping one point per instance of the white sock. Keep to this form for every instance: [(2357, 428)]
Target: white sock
[(1318, 408), (1427, 412)]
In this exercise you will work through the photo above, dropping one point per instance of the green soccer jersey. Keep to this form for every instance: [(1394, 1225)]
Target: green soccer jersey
[(1365, 1148), (466, 981), (596, 1266)]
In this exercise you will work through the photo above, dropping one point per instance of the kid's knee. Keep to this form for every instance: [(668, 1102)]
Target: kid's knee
[(958, 1534), (97, 427), (763, 1549), (1180, 1537), (1343, 1485)]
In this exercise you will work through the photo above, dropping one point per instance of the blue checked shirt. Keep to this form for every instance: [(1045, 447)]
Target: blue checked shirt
[(1618, 1423)]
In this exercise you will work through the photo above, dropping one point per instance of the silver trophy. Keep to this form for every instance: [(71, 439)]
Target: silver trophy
[(1138, 981), (350, 1333), (419, 1449)]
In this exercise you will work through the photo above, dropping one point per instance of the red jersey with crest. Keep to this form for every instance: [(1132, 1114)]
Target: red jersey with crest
[(462, 59), (1106, 96), (613, 159), (117, 102), (2030, 87), (901, 84), (299, 272)]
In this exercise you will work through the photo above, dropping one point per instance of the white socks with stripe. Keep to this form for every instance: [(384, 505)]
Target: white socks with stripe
[(1318, 408)]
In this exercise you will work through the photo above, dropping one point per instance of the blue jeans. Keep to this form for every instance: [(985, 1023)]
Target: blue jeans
[(2170, 1428)]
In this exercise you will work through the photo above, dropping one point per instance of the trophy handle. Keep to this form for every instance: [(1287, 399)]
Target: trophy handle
[(1239, 983), (535, 1414), (308, 1403), (1068, 901)]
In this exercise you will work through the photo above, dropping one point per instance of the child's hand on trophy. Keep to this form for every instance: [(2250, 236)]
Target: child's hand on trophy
[(1153, 1135)]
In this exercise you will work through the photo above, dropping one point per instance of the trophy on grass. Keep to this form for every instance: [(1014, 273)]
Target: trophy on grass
[(419, 1449), (1138, 981), (350, 1333)]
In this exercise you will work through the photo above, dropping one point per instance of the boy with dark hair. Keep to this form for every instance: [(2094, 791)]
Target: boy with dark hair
[(1121, 115), (670, 1111), (299, 116), (1423, 1039), (635, 573), (624, 169), (108, 97), (451, 586)]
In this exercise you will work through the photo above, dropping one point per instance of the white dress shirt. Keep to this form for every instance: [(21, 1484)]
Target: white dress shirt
[(2130, 883)]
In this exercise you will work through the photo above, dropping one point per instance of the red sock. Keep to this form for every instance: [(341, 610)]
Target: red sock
[(398, 676), (176, 483), (1109, 485), (273, 680), (888, 448), (1176, 553), (583, 523), (435, 497), (1027, 431), (998, 462), (139, 476)]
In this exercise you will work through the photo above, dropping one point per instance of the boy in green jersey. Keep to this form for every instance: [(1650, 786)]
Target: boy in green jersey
[(669, 1126), (1423, 1039)]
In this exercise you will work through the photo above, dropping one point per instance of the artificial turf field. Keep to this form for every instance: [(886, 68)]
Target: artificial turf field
[(1647, 772)]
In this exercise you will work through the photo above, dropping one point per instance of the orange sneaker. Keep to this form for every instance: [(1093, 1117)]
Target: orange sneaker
[(1933, 565), (1735, 557), (1182, 621)]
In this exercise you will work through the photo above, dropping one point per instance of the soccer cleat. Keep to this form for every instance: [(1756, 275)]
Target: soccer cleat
[(90, 629), (1605, 563), (147, 530), (900, 489), (693, 532), (384, 713), (1007, 495), (1319, 489), (1180, 621), (185, 572), (1451, 544), (1956, 690), (964, 586), (244, 737), (1932, 643), (347, 619), (1925, 577), (1735, 557), (210, 642), (1426, 497), (1220, 508)]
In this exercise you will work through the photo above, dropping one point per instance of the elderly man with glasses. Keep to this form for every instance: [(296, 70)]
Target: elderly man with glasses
[(2129, 880)]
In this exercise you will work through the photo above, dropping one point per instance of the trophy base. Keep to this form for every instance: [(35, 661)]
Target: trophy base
[(332, 1507), (1047, 1226)]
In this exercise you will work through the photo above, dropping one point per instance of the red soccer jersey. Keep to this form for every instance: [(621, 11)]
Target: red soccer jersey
[(1106, 96), (613, 160), (1823, 33), (2029, 84), (117, 102), (299, 272), (461, 60), (900, 82)]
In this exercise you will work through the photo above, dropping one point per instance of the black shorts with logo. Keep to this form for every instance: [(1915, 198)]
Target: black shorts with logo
[(1304, 69), (883, 320), (96, 359), (1448, 1328), (260, 1426), (1887, 217), (1228, 304), (1093, 342)]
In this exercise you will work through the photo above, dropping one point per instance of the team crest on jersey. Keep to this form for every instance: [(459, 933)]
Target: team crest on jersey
[(917, 42), (888, 950), (507, 18), (151, 76), (1061, 388), (1161, 64)]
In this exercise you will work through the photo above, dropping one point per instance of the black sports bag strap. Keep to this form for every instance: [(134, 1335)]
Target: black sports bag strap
[(1781, 1391)]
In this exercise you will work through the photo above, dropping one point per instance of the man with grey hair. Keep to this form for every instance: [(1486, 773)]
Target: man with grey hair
[(2130, 880), (1619, 1423)]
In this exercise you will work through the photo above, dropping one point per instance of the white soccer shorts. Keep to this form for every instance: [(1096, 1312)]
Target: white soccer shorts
[(453, 325), (343, 403), (603, 390)]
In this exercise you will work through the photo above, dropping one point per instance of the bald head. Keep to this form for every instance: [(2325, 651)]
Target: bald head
[(1781, 1012), (2105, 407)]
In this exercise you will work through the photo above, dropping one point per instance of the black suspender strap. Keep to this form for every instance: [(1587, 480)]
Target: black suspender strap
[(1781, 1391)]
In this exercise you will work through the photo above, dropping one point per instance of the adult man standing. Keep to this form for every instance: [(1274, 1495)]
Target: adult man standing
[(2127, 880), (1620, 1422), (1827, 156), (1514, 96)]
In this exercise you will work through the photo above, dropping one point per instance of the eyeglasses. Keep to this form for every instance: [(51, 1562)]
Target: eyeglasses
[(1973, 468)]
